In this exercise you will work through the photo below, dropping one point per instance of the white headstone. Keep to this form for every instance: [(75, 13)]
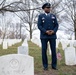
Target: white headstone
[(36, 41), (57, 43), (64, 43), (5, 45), (16, 64), (25, 43), (23, 50), (75, 50), (74, 44), (49, 48), (70, 56), (1, 41), (10, 42), (71, 43)]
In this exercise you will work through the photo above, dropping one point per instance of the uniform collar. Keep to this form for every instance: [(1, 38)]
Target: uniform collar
[(46, 13)]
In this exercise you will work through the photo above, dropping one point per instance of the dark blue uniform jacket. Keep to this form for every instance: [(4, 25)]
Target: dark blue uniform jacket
[(47, 22)]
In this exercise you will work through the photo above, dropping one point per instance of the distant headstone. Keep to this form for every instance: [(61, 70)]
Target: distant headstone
[(0, 41), (64, 43), (36, 41), (5, 45), (74, 44), (25, 43), (23, 50), (71, 43), (57, 43), (10, 42), (70, 56), (49, 48), (75, 50), (15, 64)]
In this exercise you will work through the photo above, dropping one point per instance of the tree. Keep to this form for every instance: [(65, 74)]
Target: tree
[(28, 18), (23, 10), (27, 11), (69, 7)]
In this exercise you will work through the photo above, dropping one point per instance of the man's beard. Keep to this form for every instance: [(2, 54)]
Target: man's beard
[(47, 12)]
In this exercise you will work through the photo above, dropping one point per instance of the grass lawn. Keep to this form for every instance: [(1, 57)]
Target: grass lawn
[(35, 51)]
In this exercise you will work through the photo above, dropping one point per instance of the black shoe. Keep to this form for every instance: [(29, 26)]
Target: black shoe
[(54, 68), (45, 69)]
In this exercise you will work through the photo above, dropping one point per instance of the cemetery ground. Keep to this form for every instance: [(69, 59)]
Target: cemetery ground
[(35, 51)]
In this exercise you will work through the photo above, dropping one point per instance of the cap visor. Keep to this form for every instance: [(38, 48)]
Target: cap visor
[(47, 7)]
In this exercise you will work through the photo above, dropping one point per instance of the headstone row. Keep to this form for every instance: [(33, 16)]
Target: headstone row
[(10, 42), (69, 52)]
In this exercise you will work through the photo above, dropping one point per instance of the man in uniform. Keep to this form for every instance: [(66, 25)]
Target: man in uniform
[(48, 26)]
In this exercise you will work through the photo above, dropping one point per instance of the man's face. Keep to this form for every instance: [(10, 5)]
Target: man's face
[(47, 10)]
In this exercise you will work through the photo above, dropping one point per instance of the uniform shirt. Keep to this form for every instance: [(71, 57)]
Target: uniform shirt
[(47, 22)]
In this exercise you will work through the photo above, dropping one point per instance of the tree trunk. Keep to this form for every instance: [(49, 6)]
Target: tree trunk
[(75, 32), (30, 35), (20, 30), (30, 32), (75, 28)]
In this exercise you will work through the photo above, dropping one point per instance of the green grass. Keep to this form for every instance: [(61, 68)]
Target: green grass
[(10, 50), (35, 51)]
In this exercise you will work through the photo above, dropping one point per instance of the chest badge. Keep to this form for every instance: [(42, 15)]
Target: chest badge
[(53, 17), (43, 19)]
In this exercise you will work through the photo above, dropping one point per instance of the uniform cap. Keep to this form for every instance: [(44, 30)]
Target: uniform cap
[(46, 5)]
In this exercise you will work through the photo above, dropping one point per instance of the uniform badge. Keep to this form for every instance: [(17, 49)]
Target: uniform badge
[(53, 17), (43, 19)]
